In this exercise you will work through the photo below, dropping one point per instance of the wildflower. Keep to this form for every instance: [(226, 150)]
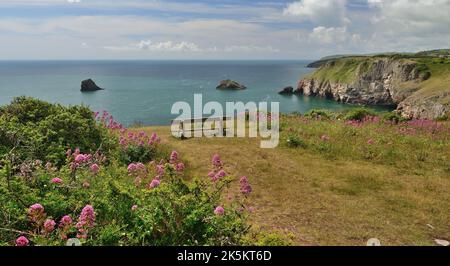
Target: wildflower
[(80, 158), (180, 167), (219, 211), (245, 186), (69, 152), (36, 212), (155, 183), (370, 142), (22, 241), (85, 221), (56, 181), (134, 207), (132, 167), (173, 157), (160, 170), (49, 225), (66, 220), (95, 168), (211, 174), (154, 138), (216, 160)]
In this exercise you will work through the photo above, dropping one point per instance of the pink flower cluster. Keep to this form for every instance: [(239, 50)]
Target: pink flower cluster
[(108, 121), (86, 221), (56, 181), (79, 160), (140, 139), (219, 211), (246, 188), (36, 213), (22, 241), (49, 225), (65, 224), (174, 160), (217, 173)]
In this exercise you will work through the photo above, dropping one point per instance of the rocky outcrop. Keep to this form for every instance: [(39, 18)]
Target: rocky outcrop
[(384, 81), (230, 85), (89, 85), (287, 91)]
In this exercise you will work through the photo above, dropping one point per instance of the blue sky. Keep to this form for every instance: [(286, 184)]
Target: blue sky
[(226, 29)]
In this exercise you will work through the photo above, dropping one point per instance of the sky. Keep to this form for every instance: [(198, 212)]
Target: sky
[(218, 29)]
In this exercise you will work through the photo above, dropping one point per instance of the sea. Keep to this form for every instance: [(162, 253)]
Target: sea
[(143, 92)]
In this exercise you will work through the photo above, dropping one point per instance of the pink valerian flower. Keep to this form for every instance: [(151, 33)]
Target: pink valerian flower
[(134, 207), (95, 168), (221, 174), (22, 241), (132, 167), (154, 138), (216, 160), (66, 220), (180, 167), (154, 184), (174, 157), (36, 213), (160, 170), (370, 142), (211, 174), (65, 224), (49, 225), (219, 211), (80, 158), (56, 181), (245, 186), (69, 152), (86, 221)]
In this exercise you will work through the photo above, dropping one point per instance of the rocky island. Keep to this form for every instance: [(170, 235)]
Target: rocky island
[(89, 85), (286, 91), (229, 84), (416, 84)]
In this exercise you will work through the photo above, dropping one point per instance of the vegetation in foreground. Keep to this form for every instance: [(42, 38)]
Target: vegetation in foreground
[(69, 176), (340, 179)]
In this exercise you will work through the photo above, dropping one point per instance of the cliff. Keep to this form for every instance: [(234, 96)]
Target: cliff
[(418, 87)]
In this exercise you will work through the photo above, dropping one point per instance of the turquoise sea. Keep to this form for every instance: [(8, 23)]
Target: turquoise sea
[(144, 91)]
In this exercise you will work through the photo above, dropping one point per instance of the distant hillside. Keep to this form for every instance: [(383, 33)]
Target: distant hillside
[(431, 53)]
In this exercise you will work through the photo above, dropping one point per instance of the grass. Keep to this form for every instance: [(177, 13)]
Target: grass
[(342, 191)]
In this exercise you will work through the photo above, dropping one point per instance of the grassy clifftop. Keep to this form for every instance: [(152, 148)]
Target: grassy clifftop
[(416, 78)]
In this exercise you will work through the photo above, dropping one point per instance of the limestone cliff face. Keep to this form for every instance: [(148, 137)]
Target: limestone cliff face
[(383, 81)]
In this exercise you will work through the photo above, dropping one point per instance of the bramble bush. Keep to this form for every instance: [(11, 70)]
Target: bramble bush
[(133, 193), (39, 130)]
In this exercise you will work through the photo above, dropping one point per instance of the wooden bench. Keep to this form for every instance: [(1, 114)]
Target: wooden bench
[(188, 125)]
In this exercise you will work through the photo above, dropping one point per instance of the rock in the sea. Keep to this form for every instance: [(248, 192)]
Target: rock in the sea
[(230, 85), (287, 90), (89, 85)]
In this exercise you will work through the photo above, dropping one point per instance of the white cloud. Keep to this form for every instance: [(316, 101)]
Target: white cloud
[(323, 35), (167, 46), (323, 13)]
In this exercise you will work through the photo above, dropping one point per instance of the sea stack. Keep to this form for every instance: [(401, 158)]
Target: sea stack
[(287, 91), (89, 85), (230, 85)]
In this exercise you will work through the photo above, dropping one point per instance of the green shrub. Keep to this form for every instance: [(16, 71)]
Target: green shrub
[(358, 114), (294, 141), (316, 113), (393, 117), (44, 131)]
